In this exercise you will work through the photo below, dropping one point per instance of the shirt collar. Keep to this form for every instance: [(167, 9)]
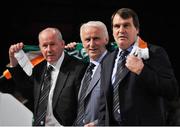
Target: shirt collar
[(129, 49), (57, 64), (97, 61)]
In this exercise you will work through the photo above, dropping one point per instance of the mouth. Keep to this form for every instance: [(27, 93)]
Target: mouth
[(122, 37), (92, 50), (49, 56)]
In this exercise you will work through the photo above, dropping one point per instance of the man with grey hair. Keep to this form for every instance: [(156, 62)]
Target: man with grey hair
[(55, 89), (94, 37)]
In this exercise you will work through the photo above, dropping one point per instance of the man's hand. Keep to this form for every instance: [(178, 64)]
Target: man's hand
[(92, 124), (71, 46), (134, 64), (13, 49)]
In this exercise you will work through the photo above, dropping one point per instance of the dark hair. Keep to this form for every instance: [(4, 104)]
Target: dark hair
[(126, 13)]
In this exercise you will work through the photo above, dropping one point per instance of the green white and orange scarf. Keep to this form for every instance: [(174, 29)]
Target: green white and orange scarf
[(30, 56), (27, 58), (140, 49)]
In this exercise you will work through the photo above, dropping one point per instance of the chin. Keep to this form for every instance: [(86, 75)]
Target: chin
[(50, 60)]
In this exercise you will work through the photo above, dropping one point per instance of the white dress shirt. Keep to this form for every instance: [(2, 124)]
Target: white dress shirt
[(50, 119)]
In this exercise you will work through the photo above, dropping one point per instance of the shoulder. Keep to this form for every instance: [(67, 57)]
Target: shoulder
[(154, 48), (39, 68), (159, 56), (73, 62), (157, 50), (111, 55), (40, 65)]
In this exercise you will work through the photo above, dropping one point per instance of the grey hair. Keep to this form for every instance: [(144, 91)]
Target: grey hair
[(97, 24), (54, 31)]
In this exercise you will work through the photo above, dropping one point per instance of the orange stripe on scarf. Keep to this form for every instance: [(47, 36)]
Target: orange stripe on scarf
[(34, 62), (37, 60), (142, 44)]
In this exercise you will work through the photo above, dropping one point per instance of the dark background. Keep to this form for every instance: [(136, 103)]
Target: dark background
[(23, 20)]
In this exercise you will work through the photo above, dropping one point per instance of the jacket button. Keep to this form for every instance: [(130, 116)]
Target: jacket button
[(119, 111), (84, 121), (42, 123)]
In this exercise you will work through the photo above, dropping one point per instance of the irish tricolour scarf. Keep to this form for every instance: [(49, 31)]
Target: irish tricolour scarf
[(30, 55), (140, 49), (27, 58)]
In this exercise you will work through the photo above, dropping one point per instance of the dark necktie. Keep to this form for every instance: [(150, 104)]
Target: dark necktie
[(85, 84), (120, 71), (43, 100)]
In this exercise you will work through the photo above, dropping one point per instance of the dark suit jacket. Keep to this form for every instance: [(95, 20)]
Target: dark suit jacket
[(141, 96), (66, 91)]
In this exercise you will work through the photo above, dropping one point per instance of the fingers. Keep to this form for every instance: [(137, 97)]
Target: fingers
[(15, 48), (134, 64), (90, 125), (71, 45)]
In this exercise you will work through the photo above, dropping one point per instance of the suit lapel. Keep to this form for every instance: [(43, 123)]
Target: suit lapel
[(40, 80), (107, 70), (95, 79), (62, 76)]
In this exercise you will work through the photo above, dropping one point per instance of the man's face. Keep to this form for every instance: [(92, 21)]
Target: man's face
[(124, 31), (94, 42), (51, 47)]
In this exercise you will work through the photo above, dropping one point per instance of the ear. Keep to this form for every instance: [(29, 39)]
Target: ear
[(107, 41), (137, 31), (62, 42)]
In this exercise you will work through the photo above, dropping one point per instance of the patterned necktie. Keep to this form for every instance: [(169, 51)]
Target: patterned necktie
[(119, 73), (85, 84), (43, 100)]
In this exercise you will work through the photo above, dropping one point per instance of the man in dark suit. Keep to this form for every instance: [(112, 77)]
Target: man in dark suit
[(146, 79), (66, 76)]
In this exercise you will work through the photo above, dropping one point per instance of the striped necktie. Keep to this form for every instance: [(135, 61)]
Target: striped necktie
[(120, 71), (85, 84), (43, 100)]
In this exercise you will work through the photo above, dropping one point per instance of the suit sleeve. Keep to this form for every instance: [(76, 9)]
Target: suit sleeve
[(20, 78), (157, 75)]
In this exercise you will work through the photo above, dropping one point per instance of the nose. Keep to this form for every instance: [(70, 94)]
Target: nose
[(121, 29), (92, 42), (48, 48)]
